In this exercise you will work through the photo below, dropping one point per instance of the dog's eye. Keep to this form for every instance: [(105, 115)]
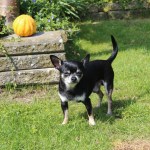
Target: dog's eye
[(66, 73), (79, 73)]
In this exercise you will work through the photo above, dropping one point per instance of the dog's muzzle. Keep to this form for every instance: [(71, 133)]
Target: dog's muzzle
[(74, 79)]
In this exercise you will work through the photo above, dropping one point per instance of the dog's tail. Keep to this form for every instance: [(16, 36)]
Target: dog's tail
[(115, 50)]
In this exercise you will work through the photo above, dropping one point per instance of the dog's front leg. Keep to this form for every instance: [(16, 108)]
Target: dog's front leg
[(64, 106), (88, 106)]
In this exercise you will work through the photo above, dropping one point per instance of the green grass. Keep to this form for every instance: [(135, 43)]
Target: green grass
[(30, 117)]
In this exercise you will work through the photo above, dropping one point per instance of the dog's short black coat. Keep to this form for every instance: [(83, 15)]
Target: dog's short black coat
[(79, 79)]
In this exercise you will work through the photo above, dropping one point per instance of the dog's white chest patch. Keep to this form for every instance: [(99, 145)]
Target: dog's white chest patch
[(63, 98), (76, 98)]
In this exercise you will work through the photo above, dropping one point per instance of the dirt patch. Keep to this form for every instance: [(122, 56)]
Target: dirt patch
[(133, 145), (29, 94)]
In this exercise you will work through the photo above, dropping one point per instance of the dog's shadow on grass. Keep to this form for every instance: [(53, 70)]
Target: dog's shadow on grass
[(118, 107)]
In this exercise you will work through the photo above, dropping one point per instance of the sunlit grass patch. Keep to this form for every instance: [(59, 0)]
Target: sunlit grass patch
[(30, 117)]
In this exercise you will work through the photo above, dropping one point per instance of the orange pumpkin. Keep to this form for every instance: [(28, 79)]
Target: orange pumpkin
[(24, 25)]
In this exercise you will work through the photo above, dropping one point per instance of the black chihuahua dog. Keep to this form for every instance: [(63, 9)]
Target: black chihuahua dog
[(79, 79)]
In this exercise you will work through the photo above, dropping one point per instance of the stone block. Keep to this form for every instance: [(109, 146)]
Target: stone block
[(133, 5), (99, 16), (26, 60), (112, 6), (117, 14), (36, 76), (93, 9), (44, 42), (116, 10)]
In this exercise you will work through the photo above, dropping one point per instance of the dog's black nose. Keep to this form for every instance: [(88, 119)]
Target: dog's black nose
[(73, 79)]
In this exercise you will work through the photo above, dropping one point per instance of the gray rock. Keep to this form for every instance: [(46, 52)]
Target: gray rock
[(38, 43), (93, 9), (113, 6), (36, 76), (117, 14), (99, 16), (26, 60)]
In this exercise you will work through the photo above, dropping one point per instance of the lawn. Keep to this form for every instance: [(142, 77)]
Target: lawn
[(30, 117)]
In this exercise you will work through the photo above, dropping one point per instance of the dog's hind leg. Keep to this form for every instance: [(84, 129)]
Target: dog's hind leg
[(109, 90), (99, 93), (64, 106)]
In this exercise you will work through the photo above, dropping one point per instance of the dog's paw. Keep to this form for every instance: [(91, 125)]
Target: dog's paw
[(92, 122), (64, 122), (109, 114)]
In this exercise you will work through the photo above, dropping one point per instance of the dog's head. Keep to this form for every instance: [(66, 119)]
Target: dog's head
[(71, 72)]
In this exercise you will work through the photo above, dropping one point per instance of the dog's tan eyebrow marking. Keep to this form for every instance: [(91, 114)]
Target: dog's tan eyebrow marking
[(68, 71), (78, 70)]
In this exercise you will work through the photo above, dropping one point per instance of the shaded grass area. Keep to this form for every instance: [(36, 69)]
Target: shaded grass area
[(30, 118), (95, 38)]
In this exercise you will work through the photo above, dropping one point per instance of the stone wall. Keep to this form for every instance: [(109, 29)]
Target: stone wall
[(118, 11), (26, 60)]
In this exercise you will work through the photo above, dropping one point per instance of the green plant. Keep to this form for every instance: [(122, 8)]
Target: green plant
[(10, 87), (52, 14), (4, 30), (2, 22), (59, 14), (2, 48)]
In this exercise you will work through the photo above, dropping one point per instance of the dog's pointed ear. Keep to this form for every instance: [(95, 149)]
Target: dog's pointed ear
[(86, 60), (56, 61)]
